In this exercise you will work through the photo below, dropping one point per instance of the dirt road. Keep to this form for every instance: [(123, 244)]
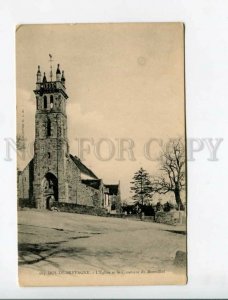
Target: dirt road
[(63, 241)]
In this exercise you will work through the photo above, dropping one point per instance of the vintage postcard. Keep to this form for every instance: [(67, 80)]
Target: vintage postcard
[(101, 159)]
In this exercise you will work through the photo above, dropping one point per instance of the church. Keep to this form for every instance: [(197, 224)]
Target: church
[(54, 175)]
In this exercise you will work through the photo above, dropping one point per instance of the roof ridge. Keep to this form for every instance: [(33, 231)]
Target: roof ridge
[(83, 168)]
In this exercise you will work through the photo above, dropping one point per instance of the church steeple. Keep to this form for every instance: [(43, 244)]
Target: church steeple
[(48, 89), (51, 148), (51, 98)]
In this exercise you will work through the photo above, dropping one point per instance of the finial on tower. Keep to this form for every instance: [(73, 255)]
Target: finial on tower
[(63, 80), (50, 60), (58, 73), (38, 75), (44, 78)]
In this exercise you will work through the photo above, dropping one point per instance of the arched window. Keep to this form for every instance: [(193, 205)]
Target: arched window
[(45, 101), (48, 127), (51, 101), (49, 155)]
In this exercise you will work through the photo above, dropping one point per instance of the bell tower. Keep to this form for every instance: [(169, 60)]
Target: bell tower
[(51, 145)]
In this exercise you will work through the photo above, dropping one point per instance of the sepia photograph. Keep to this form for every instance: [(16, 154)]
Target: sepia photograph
[(101, 154)]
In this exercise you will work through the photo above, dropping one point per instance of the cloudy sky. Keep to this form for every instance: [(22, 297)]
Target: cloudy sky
[(123, 81)]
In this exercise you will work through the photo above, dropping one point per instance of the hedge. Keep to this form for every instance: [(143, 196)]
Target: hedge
[(79, 209)]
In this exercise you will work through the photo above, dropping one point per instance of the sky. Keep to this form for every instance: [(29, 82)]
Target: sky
[(124, 81)]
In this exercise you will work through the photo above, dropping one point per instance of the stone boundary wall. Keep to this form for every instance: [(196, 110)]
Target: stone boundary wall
[(79, 209), (170, 218)]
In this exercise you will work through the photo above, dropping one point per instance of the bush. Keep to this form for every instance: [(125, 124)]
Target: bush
[(26, 203), (148, 210), (164, 217)]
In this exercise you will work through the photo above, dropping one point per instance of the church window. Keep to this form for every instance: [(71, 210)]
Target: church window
[(51, 101), (45, 101), (48, 127), (49, 155)]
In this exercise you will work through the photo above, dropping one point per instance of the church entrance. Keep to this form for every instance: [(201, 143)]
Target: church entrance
[(50, 190)]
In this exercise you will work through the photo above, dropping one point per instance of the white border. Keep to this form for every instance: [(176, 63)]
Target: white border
[(207, 97)]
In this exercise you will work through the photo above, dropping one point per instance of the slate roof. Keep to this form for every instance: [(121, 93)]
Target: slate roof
[(94, 183), (82, 167), (113, 188)]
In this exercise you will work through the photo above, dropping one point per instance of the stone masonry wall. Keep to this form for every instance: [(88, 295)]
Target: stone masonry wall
[(78, 192), (25, 183)]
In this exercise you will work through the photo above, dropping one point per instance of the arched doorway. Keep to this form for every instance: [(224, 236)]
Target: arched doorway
[(49, 189)]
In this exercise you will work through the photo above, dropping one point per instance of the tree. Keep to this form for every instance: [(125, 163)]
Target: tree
[(168, 206), (141, 186), (172, 178)]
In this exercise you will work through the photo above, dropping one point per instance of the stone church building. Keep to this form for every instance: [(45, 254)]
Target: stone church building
[(54, 175)]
